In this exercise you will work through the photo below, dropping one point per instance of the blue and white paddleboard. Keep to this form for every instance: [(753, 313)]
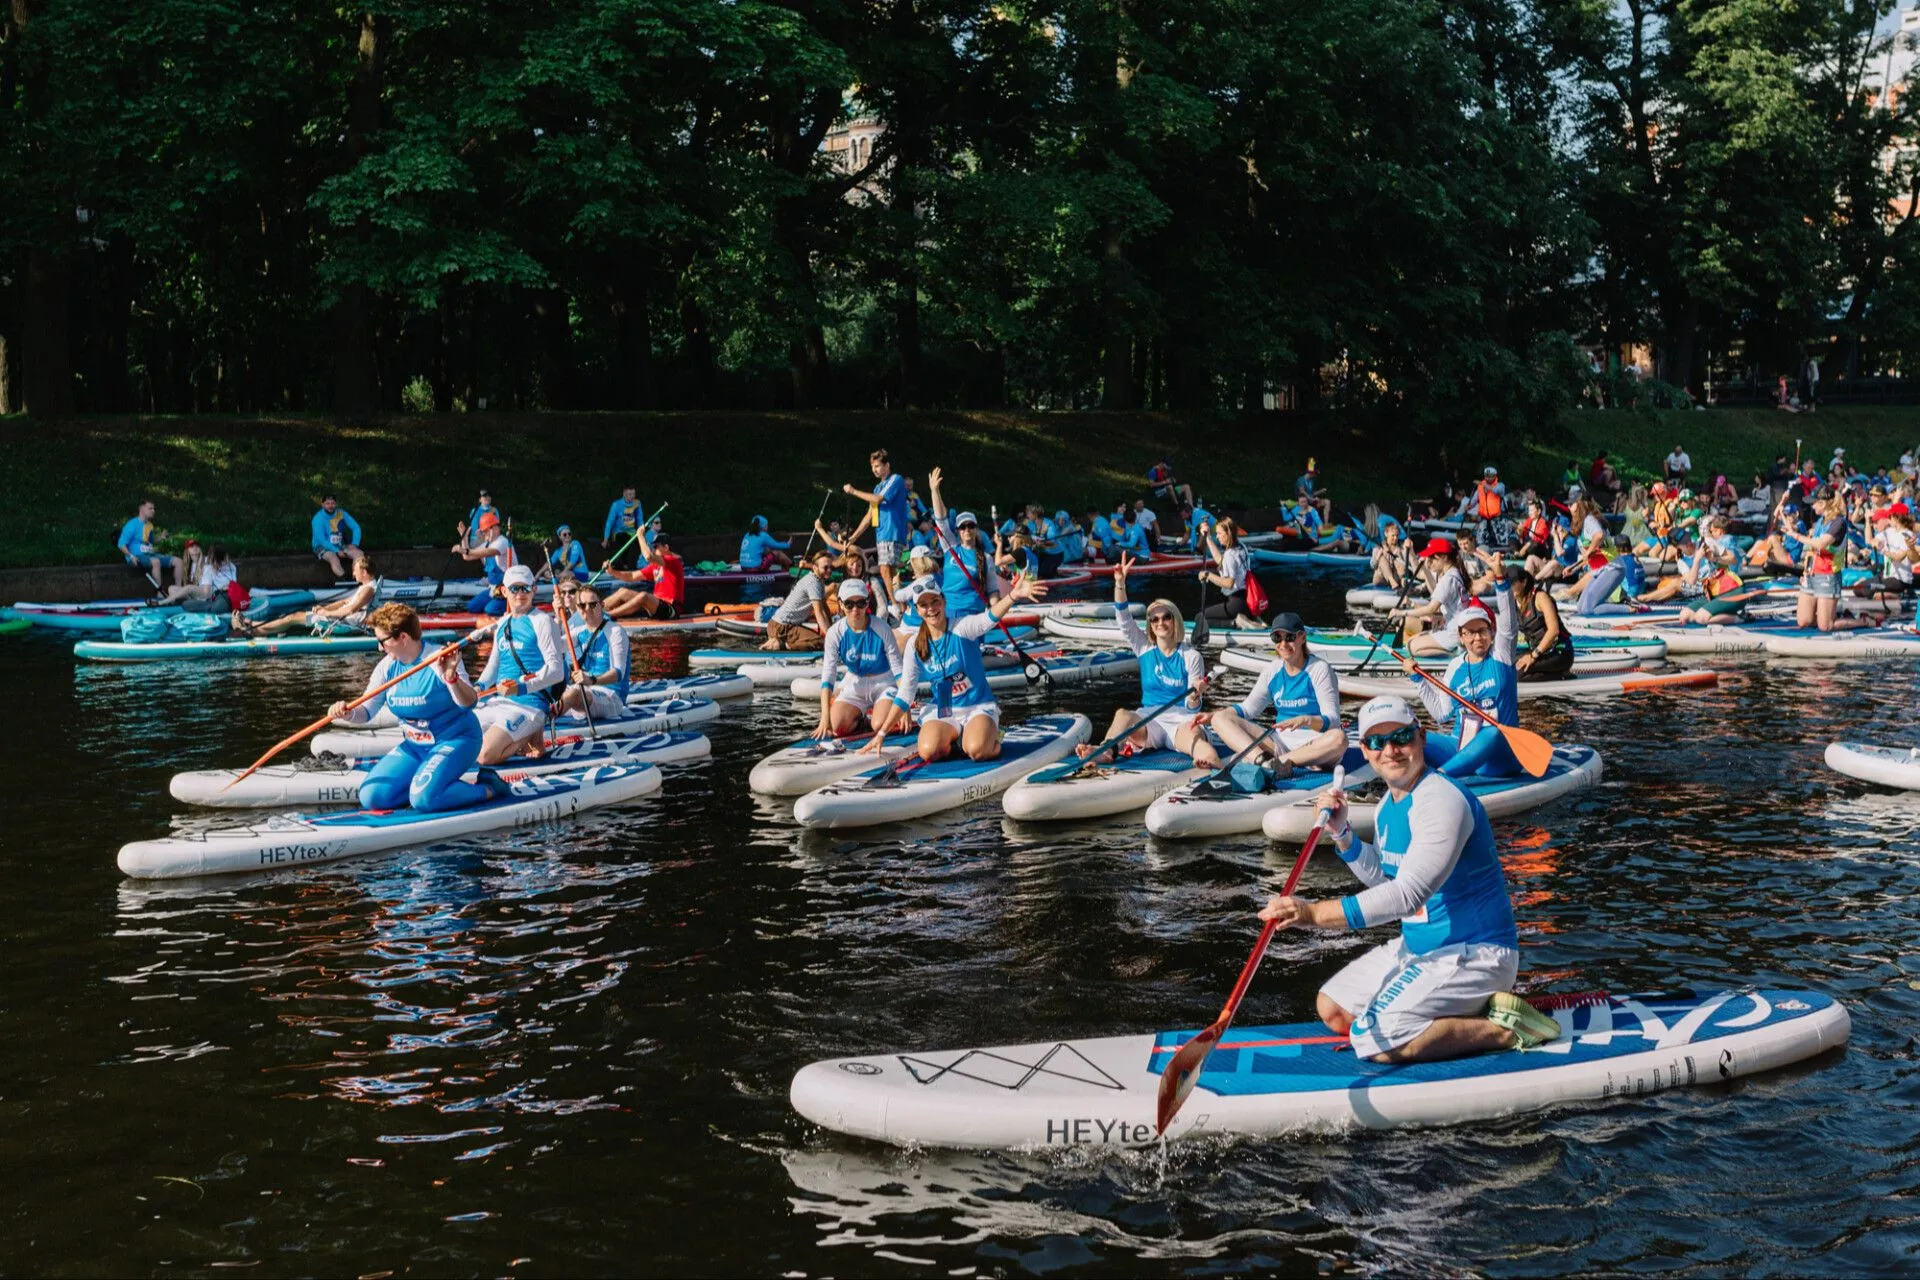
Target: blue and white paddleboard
[(869, 798), (647, 717), (708, 684), (1269, 1080), (1071, 668), (295, 840), (290, 646), (1573, 768), (1113, 786), (1194, 809), (809, 763), (283, 785)]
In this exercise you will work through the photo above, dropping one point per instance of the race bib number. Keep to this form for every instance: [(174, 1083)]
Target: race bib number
[(413, 733), (960, 686)]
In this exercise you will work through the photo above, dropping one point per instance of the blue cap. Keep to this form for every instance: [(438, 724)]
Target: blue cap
[(565, 528), (758, 522)]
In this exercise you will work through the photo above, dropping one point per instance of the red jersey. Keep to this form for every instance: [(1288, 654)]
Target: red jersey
[(669, 578)]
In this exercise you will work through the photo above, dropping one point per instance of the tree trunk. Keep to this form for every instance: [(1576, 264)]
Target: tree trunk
[(7, 348), (356, 384)]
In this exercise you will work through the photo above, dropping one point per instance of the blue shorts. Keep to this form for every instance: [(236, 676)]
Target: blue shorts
[(141, 565)]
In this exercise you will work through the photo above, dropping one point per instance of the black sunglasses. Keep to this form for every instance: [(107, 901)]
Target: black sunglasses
[(1400, 737), (519, 591)]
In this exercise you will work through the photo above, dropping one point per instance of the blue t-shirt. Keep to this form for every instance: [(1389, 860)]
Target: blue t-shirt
[(422, 701), (1471, 903), (754, 548), (622, 516), (891, 525), (328, 534), (136, 539)]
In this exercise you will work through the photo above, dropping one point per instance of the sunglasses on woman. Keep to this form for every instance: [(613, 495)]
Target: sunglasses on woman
[(1400, 737), (1160, 615)]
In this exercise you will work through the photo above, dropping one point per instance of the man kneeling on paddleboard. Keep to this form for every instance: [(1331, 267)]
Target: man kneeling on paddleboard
[(1444, 987)]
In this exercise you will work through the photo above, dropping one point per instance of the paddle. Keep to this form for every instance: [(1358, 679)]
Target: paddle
[(362, 700), (1202, 632), (816, 520), (635, 537), (1182, 1071), (1399, 632), (1029, 668), (1533, 752), (1054, 773), (573, 658)]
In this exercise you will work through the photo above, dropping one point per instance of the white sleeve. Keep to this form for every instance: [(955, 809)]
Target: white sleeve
[(383, 671), (1363, 859), (908, 687), (1506, 626), (1326, 690), (1196, 677), (619, 649), (1439, 705), (1441, 824), (490, 673), (975, 625), (1261, 696), (830, 653), (1130, 630), (553, 663)]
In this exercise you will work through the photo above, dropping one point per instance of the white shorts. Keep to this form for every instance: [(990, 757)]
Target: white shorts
[(1164, 728), (960, 717), (1394, 995), (516, 719), (605, 701), (887, 553), (862, 692), (1294, 739), (1444, 636)]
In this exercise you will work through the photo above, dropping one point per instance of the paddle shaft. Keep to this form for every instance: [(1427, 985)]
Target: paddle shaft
[(1239, 993), (1406, 589), (816, 519), (361, 701), (1113, 743), (638, 530), (573, 660)]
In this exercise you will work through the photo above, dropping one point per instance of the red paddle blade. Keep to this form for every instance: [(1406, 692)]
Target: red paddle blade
[(1182, 1072)]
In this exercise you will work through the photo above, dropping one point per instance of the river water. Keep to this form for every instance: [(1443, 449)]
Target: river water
[(565, 1050)]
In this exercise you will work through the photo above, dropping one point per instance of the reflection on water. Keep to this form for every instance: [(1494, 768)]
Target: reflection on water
[(567, 1048)]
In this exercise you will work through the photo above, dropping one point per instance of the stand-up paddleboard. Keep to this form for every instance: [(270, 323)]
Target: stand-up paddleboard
[(11, 626), (1073, 668), (1093, 609), (1573, 768), (1103, 628), (1718, 638), (809, 763), (290, 646), (1352, 686), (648, 717), (422, 590), (1897, 767), (314, 783), (1161, 563), (1196, 809), (708, 684), (1863, 645), (290, 840), (1348, 648), (701, 659), (1112, 786), (918, 790), (1270, 1080), (106, 616)]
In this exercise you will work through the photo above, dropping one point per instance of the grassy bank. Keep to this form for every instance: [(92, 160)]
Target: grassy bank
[(66, 487), (1733, 442)]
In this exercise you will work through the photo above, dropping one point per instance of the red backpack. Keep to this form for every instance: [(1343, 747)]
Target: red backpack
[(1256, 597)]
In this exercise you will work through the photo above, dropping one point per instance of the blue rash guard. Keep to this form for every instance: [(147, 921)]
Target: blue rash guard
[(573, 558), (1434, 868), (602, 649), (963, 568), (865, 653), (953, 666), (623, 517), (442, 742), (754, 548), (327, 533), (1490, 684), (1314, 690), (1132, 539), (1195, 518), (1101, 532), (1164, 676), (1072, 542)]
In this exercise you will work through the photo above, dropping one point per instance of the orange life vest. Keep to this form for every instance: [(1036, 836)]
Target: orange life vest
[(1492, 504)]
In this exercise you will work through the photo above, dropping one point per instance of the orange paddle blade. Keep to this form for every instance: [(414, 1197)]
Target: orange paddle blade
[(1533, 752)]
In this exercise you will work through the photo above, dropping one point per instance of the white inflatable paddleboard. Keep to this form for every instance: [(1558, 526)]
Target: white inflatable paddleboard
[(1272, 1080), (282, 785), (1073, 668), (1842, 646), (1574, 768), (809, 764), (293, 840), (915, 792), (1888, 766), (1196, 809), (1110, 787), (1103, 628)]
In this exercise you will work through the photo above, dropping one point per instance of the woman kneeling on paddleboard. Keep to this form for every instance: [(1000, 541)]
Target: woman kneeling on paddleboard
[(1169, 667), (1483, 674), (1444, 987), (860, 663), (1447, 577), (964, 710), (1305, 696), (1549, 654), (435, 707)]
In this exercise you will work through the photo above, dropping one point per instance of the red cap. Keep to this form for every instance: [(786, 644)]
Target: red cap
[(488, 519), (1897, 509), (1437, 547)]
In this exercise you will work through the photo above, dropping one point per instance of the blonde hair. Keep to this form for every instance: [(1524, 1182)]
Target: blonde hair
[(1179, 620)]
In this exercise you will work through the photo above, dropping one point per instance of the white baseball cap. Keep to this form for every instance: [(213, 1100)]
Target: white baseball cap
[(921, 551), (518, 576), (965, 518), (853, 589), (1388, 708)]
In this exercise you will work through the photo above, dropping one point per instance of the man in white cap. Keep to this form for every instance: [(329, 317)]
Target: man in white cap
[(861, 661), (528, 659), (1444, 987)]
